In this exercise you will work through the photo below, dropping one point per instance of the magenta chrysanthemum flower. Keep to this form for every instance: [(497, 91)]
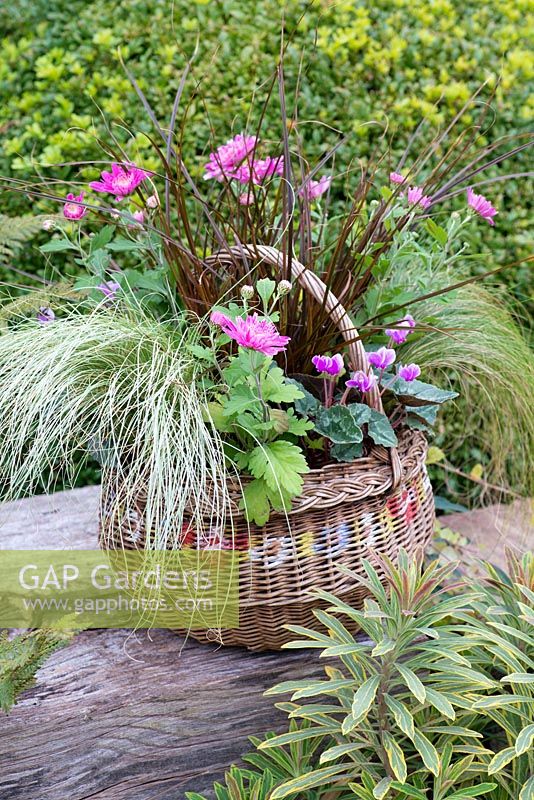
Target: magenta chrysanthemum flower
[(314, 189), (382, 358), (481, 205), (121, 181), (401, 333), (74, 208), (416, 197), (362, 382), (253, 332), (396, 177), (224, 161), (332, 365), (45, 315), (260, 169), (109, 289), (409, 372)]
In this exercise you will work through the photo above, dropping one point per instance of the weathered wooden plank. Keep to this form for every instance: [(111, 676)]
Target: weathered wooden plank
[(118, 716)]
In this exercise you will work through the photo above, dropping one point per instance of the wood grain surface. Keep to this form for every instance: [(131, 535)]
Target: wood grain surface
[(118, 716)]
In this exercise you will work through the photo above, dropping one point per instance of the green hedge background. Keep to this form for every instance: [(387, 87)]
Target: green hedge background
[(377, 60)]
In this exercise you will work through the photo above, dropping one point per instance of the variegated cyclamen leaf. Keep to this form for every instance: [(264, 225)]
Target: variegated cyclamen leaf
[(524, 740), (527, 790), (501, 759), (382, 788), (364, 697), (395, 757), (428, 752)]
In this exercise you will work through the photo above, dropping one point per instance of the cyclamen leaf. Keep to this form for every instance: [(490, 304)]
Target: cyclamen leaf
[(501, 759), (395, 757), (380, 430), (307, 405), (346, 452), (338, 425), (281, 464), (524, 740), (363, 699), (412, 682), (428, 752), (417, 393)]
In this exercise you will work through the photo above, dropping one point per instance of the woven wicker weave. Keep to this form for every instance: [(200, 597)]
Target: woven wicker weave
[(346, 512)]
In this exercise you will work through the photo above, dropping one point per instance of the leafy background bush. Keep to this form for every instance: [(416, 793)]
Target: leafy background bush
[(389, 60)]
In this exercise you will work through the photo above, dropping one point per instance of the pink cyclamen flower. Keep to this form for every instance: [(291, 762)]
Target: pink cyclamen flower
[(416, 197), (45, 315), (314, 189), (402, 331), (396, 177), (482, 206), (121, 181), (74, 208), (253, 332), (260, 169), (382, 358), (223, 162), (109, 289), (362, 382), (409, 372), (331, 365)]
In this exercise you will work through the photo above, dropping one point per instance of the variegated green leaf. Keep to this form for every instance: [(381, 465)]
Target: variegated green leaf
[(383, 647), (363, 699), (340, 750), (498, 700), (395, 757), (402, 716), (472, 791), (296, 736), (382, 788), (412, 682), (409, 791), (440, 702), (527, 790), (519, 677), (501, 759), (524, 740), (319, 777), (428, 752)]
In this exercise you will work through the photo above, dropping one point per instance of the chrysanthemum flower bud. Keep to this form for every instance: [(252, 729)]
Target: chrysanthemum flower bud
[(152, 201), (247, 292), (48, 224), (284, 287)]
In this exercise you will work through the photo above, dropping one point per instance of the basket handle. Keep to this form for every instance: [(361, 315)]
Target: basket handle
[(312, 284)]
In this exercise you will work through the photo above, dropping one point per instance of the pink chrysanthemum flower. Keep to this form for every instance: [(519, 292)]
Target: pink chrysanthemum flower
[(416, 197), (481, 205), (260, 169), (396, 177), (224, 161), (121, 181), (331, 365), (253, 332), (362, 382), (409, 372), (314, 189), (402, 331), (382, 358), (74, 208)]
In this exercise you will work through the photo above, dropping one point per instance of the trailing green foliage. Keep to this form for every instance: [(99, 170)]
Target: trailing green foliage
[(20, 658), (437, 701)]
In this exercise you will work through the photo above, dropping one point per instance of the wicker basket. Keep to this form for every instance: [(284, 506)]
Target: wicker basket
[(346, 512)]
